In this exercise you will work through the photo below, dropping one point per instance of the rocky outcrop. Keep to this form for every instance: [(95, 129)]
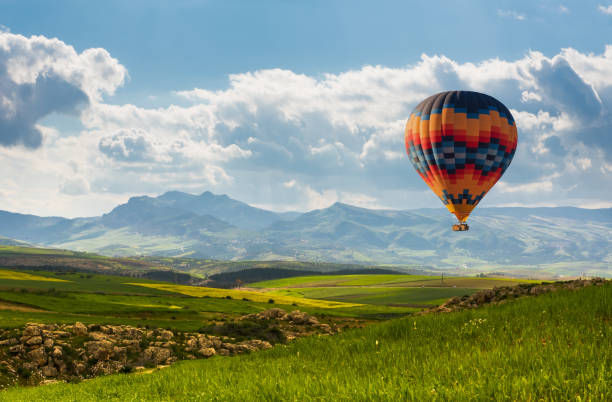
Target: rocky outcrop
[(40, 352), (504, 293), (294, 324)]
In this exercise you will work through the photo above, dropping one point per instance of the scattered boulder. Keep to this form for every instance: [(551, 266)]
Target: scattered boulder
[(156, 355), (79, 329), (100, 350), (35, 340), (57, 352), (499, 294), (38, 356), (49, 352), (31, 330), (207, 352), (49, 371), (299, 317), (165, 334)]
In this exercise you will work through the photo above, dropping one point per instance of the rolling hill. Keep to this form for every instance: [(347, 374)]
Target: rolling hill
[(527, 241)]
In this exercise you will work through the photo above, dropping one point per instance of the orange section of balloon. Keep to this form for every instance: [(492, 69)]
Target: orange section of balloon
[(461, 143)]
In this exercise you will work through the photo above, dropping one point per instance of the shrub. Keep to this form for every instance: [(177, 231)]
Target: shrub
[(243, 330)]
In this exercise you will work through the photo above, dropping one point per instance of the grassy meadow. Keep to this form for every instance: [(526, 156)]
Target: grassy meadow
[(551, 347), (67, 297), (61, 297), (410, 291)]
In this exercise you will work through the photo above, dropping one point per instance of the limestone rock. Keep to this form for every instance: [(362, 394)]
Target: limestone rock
[(79, 329), (57, 352), (207, 352), (166, 335), (80, 368), (31, 330), (299, 317), (49, 371), (38, 356), (99, 336), (100, 350), (16, 349), (156, 355)]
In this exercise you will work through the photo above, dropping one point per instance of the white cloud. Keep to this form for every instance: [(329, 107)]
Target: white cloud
[(511, 14), (534, 187), (292, 141), (40, 76), (605, 9), (527, 96), (290, 184)]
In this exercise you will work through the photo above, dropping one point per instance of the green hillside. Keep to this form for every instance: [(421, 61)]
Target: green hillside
[(417, 291), (551, 347)]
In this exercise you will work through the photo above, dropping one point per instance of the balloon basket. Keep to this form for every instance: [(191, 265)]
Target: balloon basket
[(461, 227)]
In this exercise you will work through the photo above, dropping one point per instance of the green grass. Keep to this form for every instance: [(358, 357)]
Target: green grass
[(6, 274), (77, 282), (338, 280), (239, 294), (386, 280), (382, 290), (380, 296), (36, 296), (551, 347)]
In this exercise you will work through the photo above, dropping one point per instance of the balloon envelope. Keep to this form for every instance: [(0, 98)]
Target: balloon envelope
[(461, 143)]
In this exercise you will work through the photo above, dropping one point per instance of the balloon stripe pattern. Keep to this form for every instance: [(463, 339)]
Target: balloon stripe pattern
[(461, 143)]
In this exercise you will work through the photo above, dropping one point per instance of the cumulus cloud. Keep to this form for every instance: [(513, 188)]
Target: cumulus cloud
[(605, 9), (40, 76), (292, 141), (324, 137), (127, 146)]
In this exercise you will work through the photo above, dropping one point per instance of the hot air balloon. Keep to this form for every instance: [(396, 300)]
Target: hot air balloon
[(461, 143)]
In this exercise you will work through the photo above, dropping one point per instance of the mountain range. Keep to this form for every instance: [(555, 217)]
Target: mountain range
[(562, 240)]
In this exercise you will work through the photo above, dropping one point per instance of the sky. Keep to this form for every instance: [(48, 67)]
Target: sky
[(291, 105)]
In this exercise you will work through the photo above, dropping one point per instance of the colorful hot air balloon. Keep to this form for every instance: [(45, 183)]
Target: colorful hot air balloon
[(461, 143)]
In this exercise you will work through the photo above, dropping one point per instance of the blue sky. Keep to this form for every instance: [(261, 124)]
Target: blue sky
[(291, 105)]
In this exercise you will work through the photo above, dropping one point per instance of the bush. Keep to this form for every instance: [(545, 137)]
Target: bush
[(244, 330), (24, 372), (126, 369)]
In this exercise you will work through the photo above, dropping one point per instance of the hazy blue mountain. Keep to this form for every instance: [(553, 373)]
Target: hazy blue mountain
[(222, 207), (149, 215), (554, 240), (5, 241)]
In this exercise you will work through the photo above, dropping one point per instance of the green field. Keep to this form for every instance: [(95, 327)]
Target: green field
[(58, 297), (415, 291), (388, 280), (551, 347), (408, 297)]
